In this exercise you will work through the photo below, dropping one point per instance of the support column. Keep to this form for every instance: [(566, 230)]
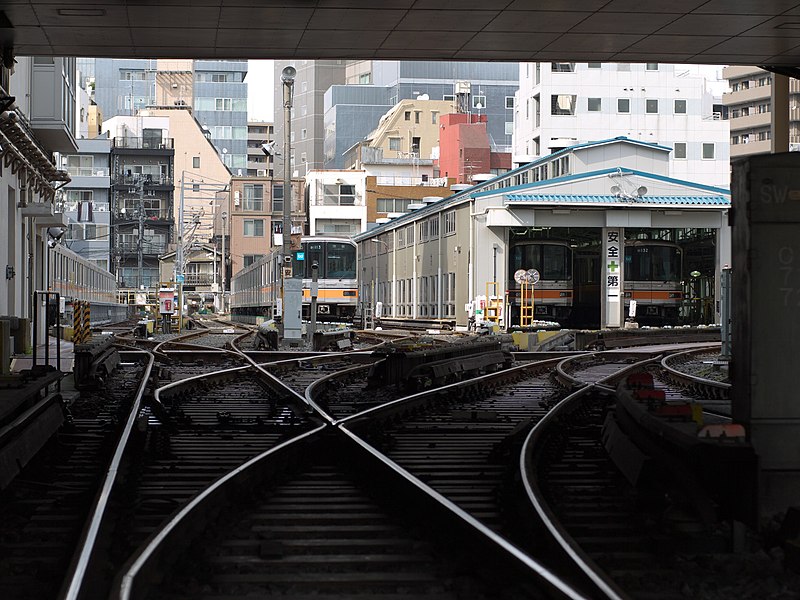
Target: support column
[(779, 127), (766, 330), (611, 271)]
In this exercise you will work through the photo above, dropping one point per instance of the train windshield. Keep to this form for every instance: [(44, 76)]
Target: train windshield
[(553, 261), (341, 261), (314, 254), (652, 263)]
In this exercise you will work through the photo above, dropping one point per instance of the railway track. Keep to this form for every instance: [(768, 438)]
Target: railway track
[(46, 506)]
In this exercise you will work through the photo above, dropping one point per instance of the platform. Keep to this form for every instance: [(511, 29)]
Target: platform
[(23, 362)]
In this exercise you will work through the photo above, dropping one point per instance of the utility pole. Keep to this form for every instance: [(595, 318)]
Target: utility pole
[(140, 244), (222, 287)]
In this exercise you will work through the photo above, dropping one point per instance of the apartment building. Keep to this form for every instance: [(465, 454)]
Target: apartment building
[(562, 104), (85, 201), (258, 163), (313, 79), (255, 225), (749, 111), (141, 201), (337, 202)]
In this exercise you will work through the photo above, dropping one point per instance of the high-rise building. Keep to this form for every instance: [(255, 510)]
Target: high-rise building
[(562, 104), (215, 90), (313, 79), (749, 110)]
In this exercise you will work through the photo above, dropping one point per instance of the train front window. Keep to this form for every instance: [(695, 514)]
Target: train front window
[(551, 260), (652, 263), (314, 253), (341, 261), (555, 262)]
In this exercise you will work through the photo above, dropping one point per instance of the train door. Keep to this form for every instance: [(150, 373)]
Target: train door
[(586, 291)]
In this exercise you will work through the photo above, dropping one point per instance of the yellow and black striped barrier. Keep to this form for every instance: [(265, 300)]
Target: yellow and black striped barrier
[(77, 321)]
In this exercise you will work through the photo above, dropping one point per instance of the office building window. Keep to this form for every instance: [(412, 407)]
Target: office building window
[(417, 115), (479, 102), (562, 104), (509, 127), (562, 67), (390, 205), (679, 150), (223, 104), (680, 107), (652, 66), (254, 227), (195, 162), (594, 104), (510, 102), (434, 117), (448, 97), (623, 105), (595, 65), (651, 106), (708, 151)]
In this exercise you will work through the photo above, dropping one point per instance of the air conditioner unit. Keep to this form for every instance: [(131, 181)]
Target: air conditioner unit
[(324, 309), (236, 198), (261, 172)]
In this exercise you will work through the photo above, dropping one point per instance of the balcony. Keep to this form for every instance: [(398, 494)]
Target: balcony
[(763, 147), (136, 179), (150, 214), (757, 120), (137, 143), (147, 248), (751, 94), (198, 278)]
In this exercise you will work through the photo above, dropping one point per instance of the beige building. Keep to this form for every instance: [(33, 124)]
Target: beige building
[(255, 206), (198, 169), (749, 103), (410, 129)]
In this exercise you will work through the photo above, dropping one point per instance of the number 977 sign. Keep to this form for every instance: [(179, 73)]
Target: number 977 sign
[(530, 276)]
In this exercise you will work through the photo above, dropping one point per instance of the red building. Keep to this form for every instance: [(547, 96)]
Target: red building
[(465, 148)]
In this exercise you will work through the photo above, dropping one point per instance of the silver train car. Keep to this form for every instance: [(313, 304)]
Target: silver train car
[(75, 278), (256, 288)]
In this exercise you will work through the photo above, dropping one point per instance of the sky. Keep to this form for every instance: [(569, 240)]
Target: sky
[(260, 98)]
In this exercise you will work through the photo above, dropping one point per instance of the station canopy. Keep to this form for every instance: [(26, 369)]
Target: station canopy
[(744, 32)]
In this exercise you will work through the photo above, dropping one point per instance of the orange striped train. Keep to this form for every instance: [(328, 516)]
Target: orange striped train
[(568, 290), (256, 288)]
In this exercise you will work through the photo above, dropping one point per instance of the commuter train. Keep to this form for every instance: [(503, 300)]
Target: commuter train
[(568, 291), (75, 278), (256, 288)]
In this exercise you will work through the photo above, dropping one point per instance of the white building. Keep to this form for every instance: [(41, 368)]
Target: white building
[(562, 104), (336, 202)]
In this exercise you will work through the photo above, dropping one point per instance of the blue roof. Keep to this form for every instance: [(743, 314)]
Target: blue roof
[(610, 199)]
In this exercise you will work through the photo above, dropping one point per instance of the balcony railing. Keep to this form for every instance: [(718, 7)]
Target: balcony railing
[(137, 178), (150, 214), (147, 248), (137, 143), (198, 278), (398, 180)]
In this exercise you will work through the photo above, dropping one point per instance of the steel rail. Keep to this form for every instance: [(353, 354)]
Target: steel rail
[(76, 580)]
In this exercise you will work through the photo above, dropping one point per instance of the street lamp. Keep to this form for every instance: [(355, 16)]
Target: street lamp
[(292, 298)]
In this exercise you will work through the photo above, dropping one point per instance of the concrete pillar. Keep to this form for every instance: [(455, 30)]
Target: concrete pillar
[(766, 330), (612, 304), (779, 127)]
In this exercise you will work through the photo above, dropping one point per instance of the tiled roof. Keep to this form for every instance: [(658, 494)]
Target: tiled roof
[(610, 199)]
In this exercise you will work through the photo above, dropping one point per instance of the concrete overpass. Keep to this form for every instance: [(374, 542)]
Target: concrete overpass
[(747, 32)]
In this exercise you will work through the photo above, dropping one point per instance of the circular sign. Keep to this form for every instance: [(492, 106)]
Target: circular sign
[(520, 275), (533, 276)]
